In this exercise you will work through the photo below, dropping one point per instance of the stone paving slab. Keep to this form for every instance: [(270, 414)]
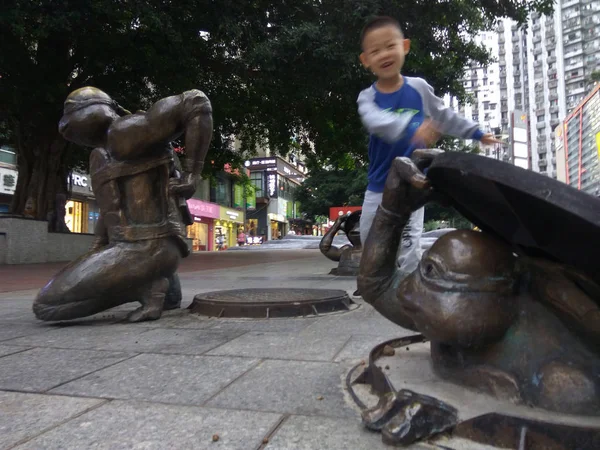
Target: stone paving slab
[(310, 433), (9, 350), (293, 387), (41, 369), (134, 339), (23, 416), (364, 321), (185, 380), (187, 398), (15, 330), (124, 426), (297, 346), (268, 325), (358, 347)]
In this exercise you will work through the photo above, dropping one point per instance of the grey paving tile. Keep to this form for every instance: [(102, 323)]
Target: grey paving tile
[(9, 350), (365, 321), (179, 318), (131, 338), (41, 369), (359, 347), (289, 387), (299, 346), (14, 330), (23, 415), (291, 325), (78, 336), (131, 425), (177, 379), (310, 433)]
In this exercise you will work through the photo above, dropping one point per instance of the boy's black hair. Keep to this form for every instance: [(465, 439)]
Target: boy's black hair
[(378, 22)]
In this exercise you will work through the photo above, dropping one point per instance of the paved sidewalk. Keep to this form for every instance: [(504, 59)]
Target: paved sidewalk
[(179, 382), (35, 276)]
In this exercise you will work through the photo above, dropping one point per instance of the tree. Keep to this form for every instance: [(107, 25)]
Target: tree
[(273, 69), (325, 188)]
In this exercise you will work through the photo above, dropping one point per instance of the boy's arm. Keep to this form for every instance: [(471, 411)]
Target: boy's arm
[(386, 125), (448, 120)]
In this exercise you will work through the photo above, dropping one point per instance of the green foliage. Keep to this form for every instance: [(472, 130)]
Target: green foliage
[(273, 69), (328, 187), (595, 76), (435, 214)]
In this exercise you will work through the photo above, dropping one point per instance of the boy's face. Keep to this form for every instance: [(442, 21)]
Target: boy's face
[(384, 50)]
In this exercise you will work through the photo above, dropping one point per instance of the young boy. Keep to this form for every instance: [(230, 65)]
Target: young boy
[(401, 114)]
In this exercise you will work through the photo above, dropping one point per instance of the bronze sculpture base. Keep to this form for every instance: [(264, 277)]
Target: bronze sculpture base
[(401, 365)]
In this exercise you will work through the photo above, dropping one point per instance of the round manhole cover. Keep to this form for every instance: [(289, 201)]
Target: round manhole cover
[(271, 303)]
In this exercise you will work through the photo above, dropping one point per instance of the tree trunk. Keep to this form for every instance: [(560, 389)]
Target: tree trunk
[(42, 176)]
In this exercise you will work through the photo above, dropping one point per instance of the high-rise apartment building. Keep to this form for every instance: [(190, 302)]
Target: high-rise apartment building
[(544, 71), (483, 86), (578, 146)]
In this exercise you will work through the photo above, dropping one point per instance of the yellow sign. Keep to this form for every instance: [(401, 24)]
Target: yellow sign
[(231, 215), (598, 143)]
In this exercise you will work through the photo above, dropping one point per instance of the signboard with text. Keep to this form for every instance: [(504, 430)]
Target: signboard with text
[(520, 141), (260, 163), (8, 180), (229, 214), (238, 196), (337, 211), (251, 199), (271, 184), (80, 183), (203, 209)]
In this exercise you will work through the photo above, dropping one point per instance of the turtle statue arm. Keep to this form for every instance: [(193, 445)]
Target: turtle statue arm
[(406, 190), (188, 114), (379, 275), (326, 245)]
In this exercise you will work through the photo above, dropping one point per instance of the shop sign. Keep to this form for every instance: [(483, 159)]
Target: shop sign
[(271, 184), (260, 163), (80, 184), (288, 171), (276, 217), (238, 196), (289, 210), (230, 215), (8, 180), (338, 211), (251, 199), (203, 209)]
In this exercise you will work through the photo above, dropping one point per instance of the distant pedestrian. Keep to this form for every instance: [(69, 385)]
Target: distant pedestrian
[(241, 238)]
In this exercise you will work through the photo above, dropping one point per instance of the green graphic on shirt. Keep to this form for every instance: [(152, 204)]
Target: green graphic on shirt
[(403, 110)]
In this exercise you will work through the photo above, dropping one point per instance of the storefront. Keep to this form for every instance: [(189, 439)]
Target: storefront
[(202, 231), (81, 210), (278, 225), (227, 228), (274, 181)]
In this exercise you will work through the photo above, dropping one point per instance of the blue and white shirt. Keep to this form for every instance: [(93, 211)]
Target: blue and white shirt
[(393, 118)]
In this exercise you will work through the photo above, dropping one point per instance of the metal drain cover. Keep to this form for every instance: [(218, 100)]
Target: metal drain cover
[(271, 303)]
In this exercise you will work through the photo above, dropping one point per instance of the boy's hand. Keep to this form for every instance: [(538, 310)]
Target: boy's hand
[(427, 134), (489, 139)]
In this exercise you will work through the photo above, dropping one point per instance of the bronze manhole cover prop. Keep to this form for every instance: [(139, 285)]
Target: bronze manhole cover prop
[(271, 303)]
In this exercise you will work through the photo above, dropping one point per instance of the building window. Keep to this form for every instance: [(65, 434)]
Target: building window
[(256, 178), (8, 156), (221, 193)]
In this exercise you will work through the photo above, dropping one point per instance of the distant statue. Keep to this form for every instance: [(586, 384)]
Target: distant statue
[(140, 233), (517, 327), (348, 255)]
